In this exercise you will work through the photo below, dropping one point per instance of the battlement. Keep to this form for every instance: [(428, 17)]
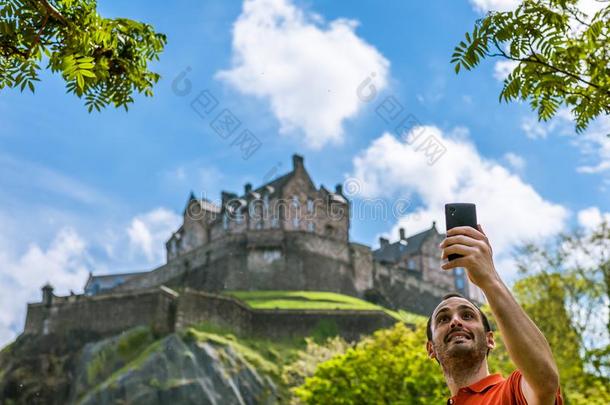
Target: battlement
[(166, 310)]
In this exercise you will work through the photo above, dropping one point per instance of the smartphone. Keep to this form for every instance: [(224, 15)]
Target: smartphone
[(460, 214)]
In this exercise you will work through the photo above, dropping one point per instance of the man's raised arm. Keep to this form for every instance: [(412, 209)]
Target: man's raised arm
[(526, 345)]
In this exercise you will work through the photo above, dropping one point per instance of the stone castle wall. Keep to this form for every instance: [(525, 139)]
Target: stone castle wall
[(165, 311), (267, 260), (195, 307), (280, 260), (103, 314), (403, 289)]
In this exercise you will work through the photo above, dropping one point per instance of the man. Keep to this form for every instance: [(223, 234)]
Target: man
[(459, 336)]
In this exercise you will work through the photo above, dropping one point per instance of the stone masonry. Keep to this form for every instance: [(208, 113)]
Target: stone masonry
[(287, 234)]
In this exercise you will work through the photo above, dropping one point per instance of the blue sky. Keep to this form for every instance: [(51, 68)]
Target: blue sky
[(101, 192)]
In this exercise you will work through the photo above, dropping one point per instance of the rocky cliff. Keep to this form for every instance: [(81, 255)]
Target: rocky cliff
[(136, 367)]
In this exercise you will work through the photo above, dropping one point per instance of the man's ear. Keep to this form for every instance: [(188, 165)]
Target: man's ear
[(430, 350), (491, 343)]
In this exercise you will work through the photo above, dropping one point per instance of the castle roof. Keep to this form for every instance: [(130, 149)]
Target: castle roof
[(272, 188), (393, 252), (97, 284), (204, 203)]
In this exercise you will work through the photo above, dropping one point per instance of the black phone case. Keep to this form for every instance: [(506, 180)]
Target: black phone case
[(460, 214)]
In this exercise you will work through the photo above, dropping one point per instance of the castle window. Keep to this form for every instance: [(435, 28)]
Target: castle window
[(411, 264), (309, 205), (271, 255), (295, 212), (460, 282), (239, 215), (255, 213), (275, 222), (329, 230), (311, 226)]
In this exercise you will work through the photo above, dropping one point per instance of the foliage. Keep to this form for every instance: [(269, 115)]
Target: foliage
[(561, 56), (252, 356), (295, 373), (565, 290), (103, 60), (276, 352), (391, 367), (114, 353)]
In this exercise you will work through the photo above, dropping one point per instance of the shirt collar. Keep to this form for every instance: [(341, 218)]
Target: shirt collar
[(486, 382)]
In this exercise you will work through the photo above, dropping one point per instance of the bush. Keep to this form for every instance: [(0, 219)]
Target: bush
[(391, 367)]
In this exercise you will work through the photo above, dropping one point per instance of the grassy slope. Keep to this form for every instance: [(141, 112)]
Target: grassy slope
[(313, 300)]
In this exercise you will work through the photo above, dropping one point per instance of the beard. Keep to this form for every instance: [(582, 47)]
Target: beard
[(462, 354)]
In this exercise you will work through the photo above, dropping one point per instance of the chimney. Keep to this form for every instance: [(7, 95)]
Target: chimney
[(47, 294), (226, 196), (402, 233), (297, 162), (383, 242), (339, 189), (247, 188)]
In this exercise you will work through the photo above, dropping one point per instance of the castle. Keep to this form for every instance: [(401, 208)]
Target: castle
[(286, 234)]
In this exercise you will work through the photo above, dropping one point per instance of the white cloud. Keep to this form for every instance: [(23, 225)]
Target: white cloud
[(589, 7), (495, 5), (64, 263), (594, 144), (503, 68), (533, 128), (148, 233), (67, 258), (563, 123), (509, 209), (515, 161), (307, 69), (590, 218)]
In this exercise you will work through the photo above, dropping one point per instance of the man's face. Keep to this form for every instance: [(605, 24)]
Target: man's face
[(458, 332)]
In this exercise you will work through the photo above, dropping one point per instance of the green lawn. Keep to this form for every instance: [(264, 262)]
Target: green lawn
[(301, 300), (313, 300)]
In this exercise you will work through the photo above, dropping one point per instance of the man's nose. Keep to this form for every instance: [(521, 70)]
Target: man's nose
[(455, 321)]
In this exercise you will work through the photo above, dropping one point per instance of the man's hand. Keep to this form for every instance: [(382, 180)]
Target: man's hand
[(477, 259)]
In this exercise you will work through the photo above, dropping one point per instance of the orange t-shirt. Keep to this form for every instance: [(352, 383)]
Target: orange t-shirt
[(495, 390)]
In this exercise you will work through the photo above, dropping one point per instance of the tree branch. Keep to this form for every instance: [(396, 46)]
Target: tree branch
[(543, 63), (9, 49), (575, 15), (51, 10)]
